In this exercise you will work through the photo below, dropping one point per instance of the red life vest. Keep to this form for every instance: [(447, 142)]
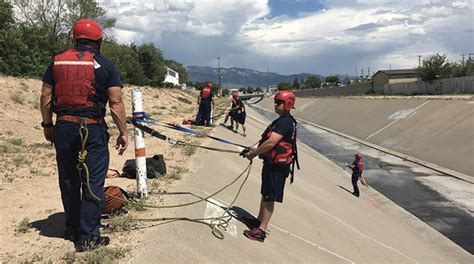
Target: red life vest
[(206, 93), (283, 152), (74, 81)]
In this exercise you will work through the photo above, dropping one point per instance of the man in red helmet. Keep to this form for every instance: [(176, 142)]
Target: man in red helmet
[(77, 85), (237, 113), (205, 101), (277, 148), (356, 167)]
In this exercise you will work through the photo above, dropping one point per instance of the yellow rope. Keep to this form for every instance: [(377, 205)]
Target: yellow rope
[(81, 159)]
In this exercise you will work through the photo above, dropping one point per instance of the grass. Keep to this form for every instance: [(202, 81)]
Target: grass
[(104, 255), (120, 223), (16, 141), (189, 150), (17, 98), (24, 226), (184, 100), (177, 172), (20, 160)]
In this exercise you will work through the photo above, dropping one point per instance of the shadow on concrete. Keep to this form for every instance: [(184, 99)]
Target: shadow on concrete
[(53, 226)]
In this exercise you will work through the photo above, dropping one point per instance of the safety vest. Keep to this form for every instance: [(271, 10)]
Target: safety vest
[(206, 93), (284, 152), (74, 79)]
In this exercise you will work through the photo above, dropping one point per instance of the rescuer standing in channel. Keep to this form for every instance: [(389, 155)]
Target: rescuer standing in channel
[(277, 148), (77, 85)]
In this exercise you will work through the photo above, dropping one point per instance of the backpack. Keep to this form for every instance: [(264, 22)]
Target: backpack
[(155, 167), (115, 198)]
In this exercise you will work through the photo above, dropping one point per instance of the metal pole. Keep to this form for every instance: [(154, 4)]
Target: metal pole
[(140, 153)]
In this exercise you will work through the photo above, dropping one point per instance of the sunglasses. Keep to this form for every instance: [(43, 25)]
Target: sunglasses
[(279, 102)]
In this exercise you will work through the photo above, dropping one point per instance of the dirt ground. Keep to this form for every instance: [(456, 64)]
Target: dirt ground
[(32, 218)]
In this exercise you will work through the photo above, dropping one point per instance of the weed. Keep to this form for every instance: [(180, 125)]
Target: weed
[(120, 223), (105, 255), (189, 150), (4, 149), (184, 100), (70, 257), (34, 259), (156, 113), (174, 107), (177, 172), (137, 205), (17, 98), (40, 145), (23, 86), (20, 160), (16, 141), (24, 226)]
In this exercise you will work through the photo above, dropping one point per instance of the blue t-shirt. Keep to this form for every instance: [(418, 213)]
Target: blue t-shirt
[(106, 76), (283, 125)]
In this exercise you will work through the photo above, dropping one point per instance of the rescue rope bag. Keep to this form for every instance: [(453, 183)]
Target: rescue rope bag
[(74, 78), (115, 198)]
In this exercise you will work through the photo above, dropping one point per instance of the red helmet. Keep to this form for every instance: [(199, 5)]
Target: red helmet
[(288, 97), (87, 29), (210, 85), (358, 156), (235, 95)]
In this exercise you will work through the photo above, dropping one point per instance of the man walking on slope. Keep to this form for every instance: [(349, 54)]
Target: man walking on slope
[(77, 85), (277, 148)]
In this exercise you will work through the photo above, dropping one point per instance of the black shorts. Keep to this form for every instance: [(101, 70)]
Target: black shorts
[(240, 118), (273, 181)]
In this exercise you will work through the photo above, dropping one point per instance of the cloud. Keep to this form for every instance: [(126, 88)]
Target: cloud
[(344, 35)]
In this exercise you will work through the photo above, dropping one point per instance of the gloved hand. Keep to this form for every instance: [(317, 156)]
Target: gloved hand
[(248, 153)]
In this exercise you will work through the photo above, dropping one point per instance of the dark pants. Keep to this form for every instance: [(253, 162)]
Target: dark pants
[(355, 179), (273, 182), (204, 113), (83, 212)]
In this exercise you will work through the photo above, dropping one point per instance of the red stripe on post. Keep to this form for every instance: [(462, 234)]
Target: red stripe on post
[(140, 152)]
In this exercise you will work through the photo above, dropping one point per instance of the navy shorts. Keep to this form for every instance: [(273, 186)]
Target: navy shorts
[(240, 118), (273, 182)]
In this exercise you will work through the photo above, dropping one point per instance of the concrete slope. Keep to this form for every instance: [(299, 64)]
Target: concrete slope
[(319, 221), (437, 131)]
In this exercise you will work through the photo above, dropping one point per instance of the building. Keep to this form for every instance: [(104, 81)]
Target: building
[(383, 77), (171, 76)]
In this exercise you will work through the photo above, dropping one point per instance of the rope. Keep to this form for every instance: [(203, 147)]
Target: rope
[(157, 134), (81, 159), (216, 224)]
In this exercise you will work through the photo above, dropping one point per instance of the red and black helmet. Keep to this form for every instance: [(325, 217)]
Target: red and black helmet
[(86, 29), (288, 97), (210, 85), (358, 156), (235, 95)]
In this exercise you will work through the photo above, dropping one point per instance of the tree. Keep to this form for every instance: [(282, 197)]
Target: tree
[(435, 66), (312, 82), (284, 86), (332, 79), (296, 84), (152, 63), (126, 59), (258, 90)]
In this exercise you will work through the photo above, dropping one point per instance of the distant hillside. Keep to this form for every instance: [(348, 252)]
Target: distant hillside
[(239, 77)]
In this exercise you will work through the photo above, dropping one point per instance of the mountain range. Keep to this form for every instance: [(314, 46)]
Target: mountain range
[(241, 77)]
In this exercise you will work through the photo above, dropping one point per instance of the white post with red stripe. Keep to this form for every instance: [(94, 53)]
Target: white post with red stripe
[(140, 154)]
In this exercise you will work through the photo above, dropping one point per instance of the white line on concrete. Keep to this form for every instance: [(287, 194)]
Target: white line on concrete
[(294, 235), (214, 209), (383, 128)]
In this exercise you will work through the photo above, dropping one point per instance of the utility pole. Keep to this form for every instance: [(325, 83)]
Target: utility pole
[(368, 71), (462, 59), (362, 74), (356, 74), (268, 81), (219, 75), (390, 66), (419, 60)]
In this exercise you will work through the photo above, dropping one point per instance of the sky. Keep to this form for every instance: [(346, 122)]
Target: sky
[(295, 36)]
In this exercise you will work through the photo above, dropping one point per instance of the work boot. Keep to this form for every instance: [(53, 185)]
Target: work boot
[(256, 234), (71, 234), (251, 222), (92, 243)]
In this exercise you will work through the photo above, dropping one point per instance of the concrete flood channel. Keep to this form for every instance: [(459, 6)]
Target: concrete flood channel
[(443, 202)]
